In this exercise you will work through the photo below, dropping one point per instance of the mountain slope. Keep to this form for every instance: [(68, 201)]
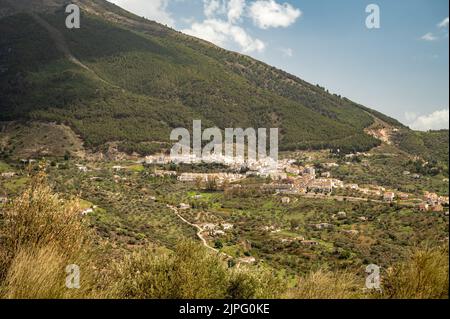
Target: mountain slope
[(123, 78)]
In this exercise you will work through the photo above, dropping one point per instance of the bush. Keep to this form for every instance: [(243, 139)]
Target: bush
[(40, 235), (424, 275), (327, 285), (39, 273), (254, 283), (190, 272)]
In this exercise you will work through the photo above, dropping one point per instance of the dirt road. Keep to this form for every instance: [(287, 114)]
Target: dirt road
[(199, 233)]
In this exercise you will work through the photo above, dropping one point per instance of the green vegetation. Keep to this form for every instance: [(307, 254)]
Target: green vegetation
[(193, 273), (390, 166), (41, 234), (432, 145), (139, 85), (122, 86), (34, 140), (4, 167), (15, 185), (131, 217), (424, 275), (138, 80)]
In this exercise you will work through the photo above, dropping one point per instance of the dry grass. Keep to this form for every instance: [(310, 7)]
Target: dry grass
[(42, 234), (327, 285), (424, 275), (39, 273), (39, 217)]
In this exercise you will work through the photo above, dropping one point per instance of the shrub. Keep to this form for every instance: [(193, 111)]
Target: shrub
[(327, 285), (424, 275), (190, 272), (40, 235), (39, 273), (155, 274), (254, 283)]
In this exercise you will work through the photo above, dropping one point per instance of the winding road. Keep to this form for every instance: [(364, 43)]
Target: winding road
[(199, 232)]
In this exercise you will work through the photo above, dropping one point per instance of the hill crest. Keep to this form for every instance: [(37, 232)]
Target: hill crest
[(131, 80)]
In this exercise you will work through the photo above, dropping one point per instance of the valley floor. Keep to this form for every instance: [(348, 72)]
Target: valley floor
[(283, 224)]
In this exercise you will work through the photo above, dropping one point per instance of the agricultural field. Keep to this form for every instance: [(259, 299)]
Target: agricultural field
[(293, 234)]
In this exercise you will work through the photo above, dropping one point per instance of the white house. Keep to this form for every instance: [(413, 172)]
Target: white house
[(227, 226), (8, 174), (389, 196), (184, 206)]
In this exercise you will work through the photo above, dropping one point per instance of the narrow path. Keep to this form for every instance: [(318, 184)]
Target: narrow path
[(199, 233), (59, 41), (62, 46)]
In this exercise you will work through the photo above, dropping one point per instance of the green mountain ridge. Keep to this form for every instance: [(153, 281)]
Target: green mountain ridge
[(121, 78)]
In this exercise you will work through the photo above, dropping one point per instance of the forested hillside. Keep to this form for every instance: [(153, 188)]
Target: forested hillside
[(432, 145), (125, 79)]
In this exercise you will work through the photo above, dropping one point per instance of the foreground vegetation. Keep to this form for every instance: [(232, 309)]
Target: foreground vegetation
[(41, 233)]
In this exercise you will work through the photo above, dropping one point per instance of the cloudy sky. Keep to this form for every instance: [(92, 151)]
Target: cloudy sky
[(400, 69)]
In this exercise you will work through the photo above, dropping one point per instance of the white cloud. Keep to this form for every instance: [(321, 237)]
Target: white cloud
[(429, 37), (222, 32), (222, 28), (213, 7), (287, 52), (270, 14), (235, 10), (432, 37), (434, 121), (444, 23), (151, 9), (223, 22)]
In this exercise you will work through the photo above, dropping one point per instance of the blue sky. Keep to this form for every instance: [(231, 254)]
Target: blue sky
[(400, 69)]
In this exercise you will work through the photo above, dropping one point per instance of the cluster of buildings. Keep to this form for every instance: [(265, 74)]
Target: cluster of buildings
[(215, 229), (220, 178), (262, 165), (288, 178), (299, 179), (320, 185), (433, 202), (433, 199)]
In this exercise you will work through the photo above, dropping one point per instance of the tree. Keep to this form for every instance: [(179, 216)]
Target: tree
[(218, 244), (294, 224), (67, 156)]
